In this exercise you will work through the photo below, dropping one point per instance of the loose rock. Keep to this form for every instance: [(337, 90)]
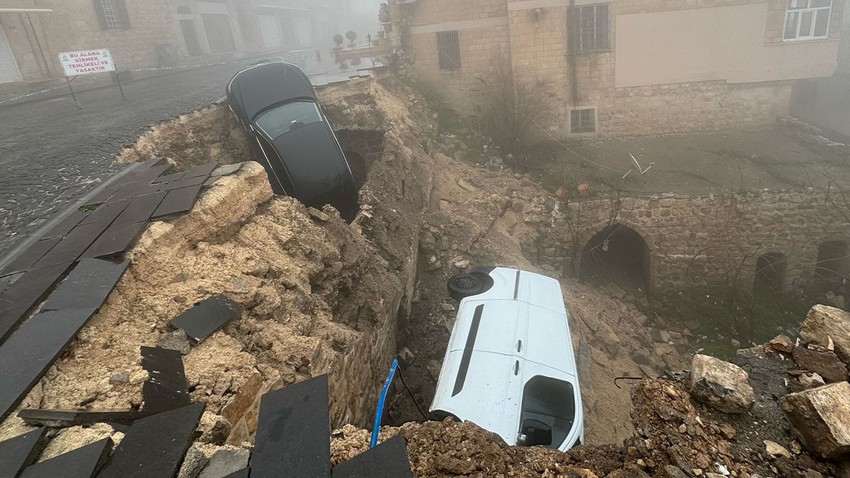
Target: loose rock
[(824, 323), (822, 418), (821, 361), (721, 385)]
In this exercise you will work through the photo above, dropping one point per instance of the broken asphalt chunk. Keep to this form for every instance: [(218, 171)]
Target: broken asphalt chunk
[(155, 446), (165, 389), (207, 316), (84, 462), (293, 432), (389, 459), (18, 452)]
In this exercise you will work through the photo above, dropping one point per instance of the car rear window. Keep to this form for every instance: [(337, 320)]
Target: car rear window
[(289, 117), (549, 402)]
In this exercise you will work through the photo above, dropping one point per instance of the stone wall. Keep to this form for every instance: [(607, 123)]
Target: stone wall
[(700, 240), (74, 25), (531, 36)]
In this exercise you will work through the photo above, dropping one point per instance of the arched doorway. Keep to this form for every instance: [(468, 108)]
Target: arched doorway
[(617, 254), (770, 272)]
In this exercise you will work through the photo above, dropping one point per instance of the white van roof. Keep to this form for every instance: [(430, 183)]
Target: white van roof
[(502, 338)]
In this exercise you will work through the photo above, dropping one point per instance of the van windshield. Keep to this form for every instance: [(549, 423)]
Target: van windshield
[(547, 404)]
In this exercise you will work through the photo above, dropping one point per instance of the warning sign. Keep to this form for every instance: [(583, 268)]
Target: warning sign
[(86, 62)]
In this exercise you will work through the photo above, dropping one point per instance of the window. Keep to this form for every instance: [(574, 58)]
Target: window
[(448, 50), (289, 117), (807, 19), (593, 28), (548, 412), (583, 121), (112, 14)]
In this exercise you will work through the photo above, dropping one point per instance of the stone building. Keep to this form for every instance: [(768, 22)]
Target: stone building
[(158, 33), (626, 66)]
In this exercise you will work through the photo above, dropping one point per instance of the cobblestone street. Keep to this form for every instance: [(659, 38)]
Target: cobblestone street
[(52, 153)]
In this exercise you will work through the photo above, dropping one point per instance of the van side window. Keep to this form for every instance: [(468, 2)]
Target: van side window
[(548, 411)]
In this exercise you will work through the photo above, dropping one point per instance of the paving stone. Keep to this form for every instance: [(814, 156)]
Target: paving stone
[(165, 389), (389, 459), (66, 225), (19, 298), (18, 452), (293, 432), (177, 201), (74, 244), (201, 170), (183, 183), (140, 208), (106, 212), (32, 349), (155, 446), (30, 256), (169, 178), (84, 462), (55, 418), (87, 285), (116, 240), (207, 316)]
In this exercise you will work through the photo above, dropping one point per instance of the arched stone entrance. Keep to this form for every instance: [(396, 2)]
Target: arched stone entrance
[(617, 254)]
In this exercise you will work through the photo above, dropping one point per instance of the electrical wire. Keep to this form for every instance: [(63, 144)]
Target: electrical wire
[(412, 397)]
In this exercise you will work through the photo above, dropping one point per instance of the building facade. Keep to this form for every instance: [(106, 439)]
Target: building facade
[(159, 33), (627, 66)]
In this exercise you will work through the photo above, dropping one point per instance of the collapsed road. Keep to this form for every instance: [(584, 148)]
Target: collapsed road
[(303, 295)]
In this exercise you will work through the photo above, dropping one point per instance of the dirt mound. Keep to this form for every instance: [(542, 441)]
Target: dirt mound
[(210, 134), (449, 449)]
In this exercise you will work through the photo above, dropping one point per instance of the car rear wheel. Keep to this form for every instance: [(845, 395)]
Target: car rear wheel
[(465, 285)]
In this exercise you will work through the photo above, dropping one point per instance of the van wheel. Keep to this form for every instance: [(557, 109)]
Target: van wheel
[(465, 285)]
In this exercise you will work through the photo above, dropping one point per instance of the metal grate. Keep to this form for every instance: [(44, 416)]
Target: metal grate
[(594, 28), (448, 50), (110, 15), (583, 121)]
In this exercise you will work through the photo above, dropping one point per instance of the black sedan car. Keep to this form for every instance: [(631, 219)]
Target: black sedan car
[(290, 136)]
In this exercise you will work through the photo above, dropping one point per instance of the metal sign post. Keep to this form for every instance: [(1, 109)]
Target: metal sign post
[(87, 62), (76, 101)]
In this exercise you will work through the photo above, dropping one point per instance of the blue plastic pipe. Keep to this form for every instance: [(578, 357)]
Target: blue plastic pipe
[(380, 411)]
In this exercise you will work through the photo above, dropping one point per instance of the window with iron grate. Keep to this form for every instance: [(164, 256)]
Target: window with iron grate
[(448, 50), (583, 120), (594, 28), (112, 14)]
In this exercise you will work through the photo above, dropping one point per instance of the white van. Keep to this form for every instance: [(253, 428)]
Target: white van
[(509, 366)]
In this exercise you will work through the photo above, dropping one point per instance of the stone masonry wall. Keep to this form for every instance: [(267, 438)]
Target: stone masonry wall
[(698, 240), (534, 34), (74, 25)]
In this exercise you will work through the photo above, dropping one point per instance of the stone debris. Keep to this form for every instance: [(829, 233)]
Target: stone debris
[(176, 340), (781, 343), (811, 380), (822, 418), (820, 361), (721, 385), (775, 449), (824, 324)]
